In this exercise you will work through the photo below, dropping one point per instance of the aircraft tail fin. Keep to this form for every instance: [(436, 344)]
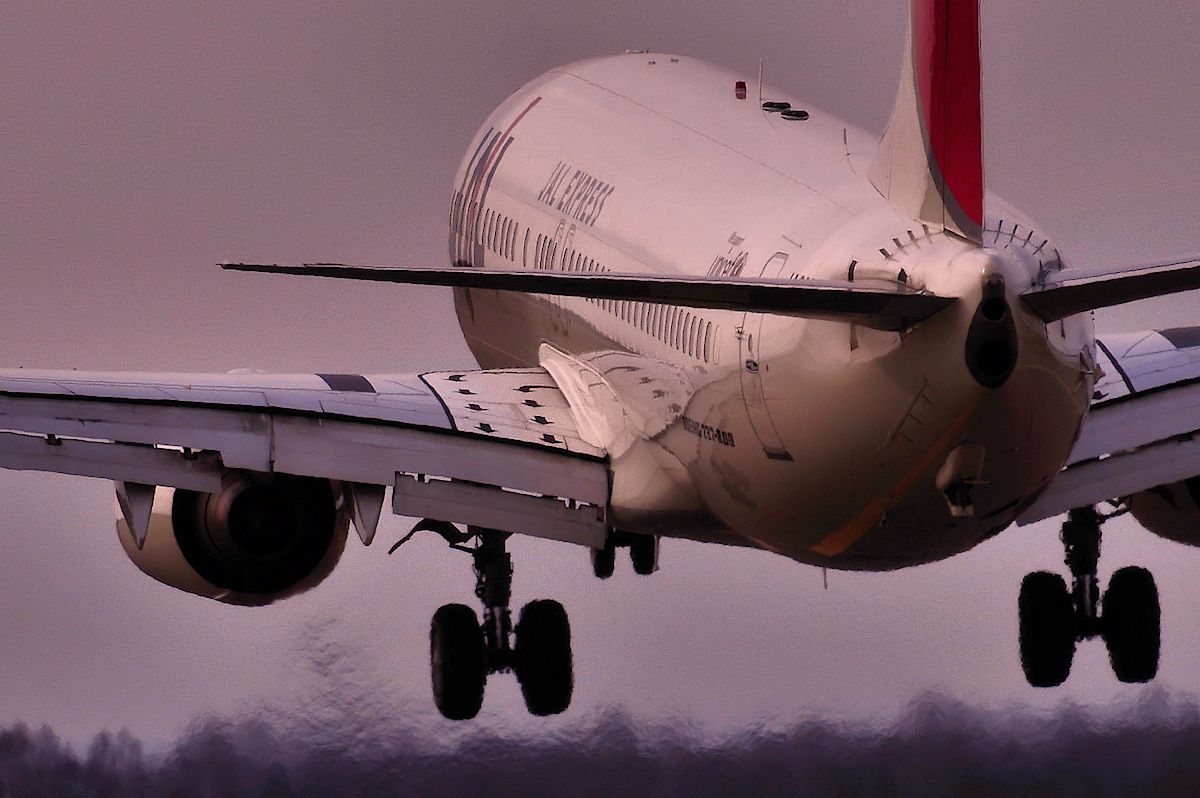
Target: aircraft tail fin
[(930, 161)]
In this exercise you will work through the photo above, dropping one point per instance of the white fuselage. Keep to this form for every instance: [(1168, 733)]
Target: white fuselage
[(819, 440)]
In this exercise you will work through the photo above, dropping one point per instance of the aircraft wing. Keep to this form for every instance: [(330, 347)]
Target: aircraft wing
[(497, 449), (1143, 429)]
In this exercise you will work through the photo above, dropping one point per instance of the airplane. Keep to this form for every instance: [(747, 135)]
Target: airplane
[(702, 309)]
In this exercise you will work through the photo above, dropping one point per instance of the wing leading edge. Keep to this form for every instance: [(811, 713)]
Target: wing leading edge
[(881, 306)]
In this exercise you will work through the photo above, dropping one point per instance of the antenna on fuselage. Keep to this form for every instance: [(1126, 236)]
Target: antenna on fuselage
[(760, 64)]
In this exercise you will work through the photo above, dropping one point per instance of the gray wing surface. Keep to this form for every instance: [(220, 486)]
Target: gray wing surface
[(489, 448), (1143, 428)]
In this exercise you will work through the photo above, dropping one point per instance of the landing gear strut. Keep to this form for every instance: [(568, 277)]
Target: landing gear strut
[(1052, 620), (463, 652)]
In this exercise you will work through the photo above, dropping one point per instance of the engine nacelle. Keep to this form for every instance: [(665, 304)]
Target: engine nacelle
[(1170, 511), (261, 538)]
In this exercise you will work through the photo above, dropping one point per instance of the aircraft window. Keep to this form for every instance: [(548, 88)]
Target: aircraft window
[(525, 250), (506, 242), (707, 350)]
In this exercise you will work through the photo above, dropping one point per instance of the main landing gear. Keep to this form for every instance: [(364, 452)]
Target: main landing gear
[(643, 553), (463, 652), (1053, 620)]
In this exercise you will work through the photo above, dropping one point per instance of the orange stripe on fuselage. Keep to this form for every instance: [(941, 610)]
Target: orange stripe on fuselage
[(842, 539)]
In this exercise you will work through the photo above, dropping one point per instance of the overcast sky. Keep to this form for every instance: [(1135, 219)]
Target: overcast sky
[(139, 145)]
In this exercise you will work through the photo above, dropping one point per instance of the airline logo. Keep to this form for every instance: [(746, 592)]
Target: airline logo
[(470, 200)]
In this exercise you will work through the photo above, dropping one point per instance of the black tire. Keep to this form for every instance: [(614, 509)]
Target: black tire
[(604, 561), (1132, 624), (456, 659), (544, 663), (643, 551), (1047, 629)]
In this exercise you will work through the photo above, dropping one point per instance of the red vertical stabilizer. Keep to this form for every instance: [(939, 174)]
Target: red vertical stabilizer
[(930, 160)]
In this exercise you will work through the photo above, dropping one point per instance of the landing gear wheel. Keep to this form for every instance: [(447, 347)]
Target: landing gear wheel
[(456, 658), (1047, 629), (643, 551), (1131, 624), (604, 561), (543, 661)]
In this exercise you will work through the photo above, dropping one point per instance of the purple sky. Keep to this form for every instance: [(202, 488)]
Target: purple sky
[(140, 145)]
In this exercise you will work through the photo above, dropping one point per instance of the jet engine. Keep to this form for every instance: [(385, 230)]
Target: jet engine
[(261, 538), (1170, 511)]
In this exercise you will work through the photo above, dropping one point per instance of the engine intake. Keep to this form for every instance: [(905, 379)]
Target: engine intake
[(1170, 511)]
